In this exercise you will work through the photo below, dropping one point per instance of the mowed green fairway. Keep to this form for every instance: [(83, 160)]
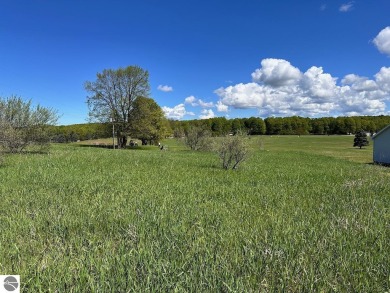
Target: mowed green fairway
[(302, 214)]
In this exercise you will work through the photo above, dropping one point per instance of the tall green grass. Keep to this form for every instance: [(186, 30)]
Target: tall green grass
[(84, 219)]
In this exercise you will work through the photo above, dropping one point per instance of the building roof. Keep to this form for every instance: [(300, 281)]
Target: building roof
[(381, 131)]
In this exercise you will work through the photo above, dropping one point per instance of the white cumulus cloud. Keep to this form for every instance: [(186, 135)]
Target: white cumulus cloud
[(243, 96), (207, 114), (177, 112), (382, 41), (359, 83), (191, 100), (278, 88), (276, 72), (165, 88), (383, 79), (222, 107), (318, 85)]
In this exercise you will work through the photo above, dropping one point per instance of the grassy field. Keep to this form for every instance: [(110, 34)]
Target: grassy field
[(302, 214)]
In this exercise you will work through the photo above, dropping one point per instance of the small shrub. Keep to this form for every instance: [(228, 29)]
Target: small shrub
[(12, 139), (197, 138), (22, 125), (232, 151)]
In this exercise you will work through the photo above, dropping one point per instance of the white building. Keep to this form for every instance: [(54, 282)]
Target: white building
[(382, 146)]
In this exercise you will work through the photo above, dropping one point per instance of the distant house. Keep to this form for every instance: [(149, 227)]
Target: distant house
[(382, 146)]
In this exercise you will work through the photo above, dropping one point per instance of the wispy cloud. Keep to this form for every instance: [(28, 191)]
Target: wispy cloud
[(194, 102), (346, 6), (323, 7), (165, 88), (205, 104)]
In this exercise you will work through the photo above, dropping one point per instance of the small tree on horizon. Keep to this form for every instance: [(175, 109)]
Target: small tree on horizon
[(360, 139)]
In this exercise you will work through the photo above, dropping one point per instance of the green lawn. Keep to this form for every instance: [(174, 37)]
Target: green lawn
[(333, 146), (302, 214)]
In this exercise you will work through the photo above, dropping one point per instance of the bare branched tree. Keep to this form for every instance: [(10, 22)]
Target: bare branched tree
[(196, 138), (232, 150)]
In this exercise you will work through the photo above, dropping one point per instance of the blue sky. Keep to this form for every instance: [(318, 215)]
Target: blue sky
[(205, 58)]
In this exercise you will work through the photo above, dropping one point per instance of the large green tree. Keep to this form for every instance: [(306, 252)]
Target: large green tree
[(112, 96), (23, 125), (148, 122)]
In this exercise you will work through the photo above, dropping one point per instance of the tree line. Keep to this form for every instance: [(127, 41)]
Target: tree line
[(76, 132), (294, 125), (221, 126)]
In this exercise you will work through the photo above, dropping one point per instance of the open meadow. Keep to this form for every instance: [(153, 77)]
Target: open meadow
[(301, 214)]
